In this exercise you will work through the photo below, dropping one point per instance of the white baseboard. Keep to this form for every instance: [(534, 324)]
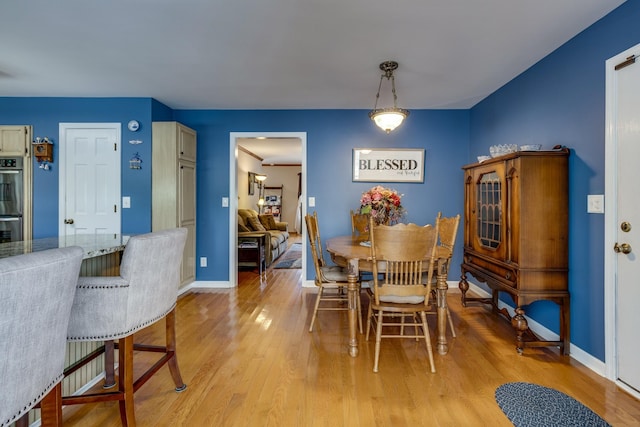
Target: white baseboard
[(206, 284)]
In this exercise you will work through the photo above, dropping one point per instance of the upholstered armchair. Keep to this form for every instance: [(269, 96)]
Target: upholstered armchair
[(36, 293), (113, 308)]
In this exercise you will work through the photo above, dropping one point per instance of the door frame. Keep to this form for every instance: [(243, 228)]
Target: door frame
[(62, 151), (233, 196), (610, 220)]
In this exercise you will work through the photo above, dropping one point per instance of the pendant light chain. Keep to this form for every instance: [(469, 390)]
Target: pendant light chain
[(389, 118)]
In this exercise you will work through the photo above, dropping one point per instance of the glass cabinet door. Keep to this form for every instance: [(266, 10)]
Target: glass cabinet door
[(487, 204), (489, 210)]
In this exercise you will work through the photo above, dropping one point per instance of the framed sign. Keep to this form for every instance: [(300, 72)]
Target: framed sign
[(388, 164)]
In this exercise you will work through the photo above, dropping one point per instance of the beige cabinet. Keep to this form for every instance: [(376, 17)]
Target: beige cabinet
[(14, 141), (173, 181)]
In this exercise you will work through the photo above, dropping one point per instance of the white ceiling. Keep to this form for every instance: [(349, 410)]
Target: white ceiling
[(280, 54), (274, 151)]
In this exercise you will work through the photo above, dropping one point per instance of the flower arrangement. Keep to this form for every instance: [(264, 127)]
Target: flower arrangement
[(383, 204)]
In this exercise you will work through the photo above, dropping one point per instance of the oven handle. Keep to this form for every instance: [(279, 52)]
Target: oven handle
[(15, 218)]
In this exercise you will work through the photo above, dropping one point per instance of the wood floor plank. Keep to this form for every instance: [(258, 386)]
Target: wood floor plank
[(248, 360)]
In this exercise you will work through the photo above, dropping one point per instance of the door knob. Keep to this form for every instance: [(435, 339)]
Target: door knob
[(625, 248), (68, 221)]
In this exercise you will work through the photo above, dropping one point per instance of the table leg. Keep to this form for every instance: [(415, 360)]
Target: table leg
[(441, 297), (353, 294)]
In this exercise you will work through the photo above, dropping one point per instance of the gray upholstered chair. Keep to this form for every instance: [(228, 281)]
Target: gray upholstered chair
[(113, 308), (36, 293)]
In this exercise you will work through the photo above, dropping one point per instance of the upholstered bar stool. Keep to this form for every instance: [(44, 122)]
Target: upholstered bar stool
[(114, 308), (36, 293)]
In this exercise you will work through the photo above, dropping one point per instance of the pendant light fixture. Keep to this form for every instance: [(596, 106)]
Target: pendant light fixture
[(389, 118)]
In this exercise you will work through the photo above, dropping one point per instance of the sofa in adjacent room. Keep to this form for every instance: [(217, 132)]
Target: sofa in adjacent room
[(276, 232)]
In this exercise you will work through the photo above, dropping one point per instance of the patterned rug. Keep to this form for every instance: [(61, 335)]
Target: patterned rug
[(292, 258), (531, 405)]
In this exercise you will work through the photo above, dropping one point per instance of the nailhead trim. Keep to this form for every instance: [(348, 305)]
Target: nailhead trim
[(122, 334), (33, 402), (101, 286)]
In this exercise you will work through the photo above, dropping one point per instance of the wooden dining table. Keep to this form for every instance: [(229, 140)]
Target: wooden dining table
[(348, 252)]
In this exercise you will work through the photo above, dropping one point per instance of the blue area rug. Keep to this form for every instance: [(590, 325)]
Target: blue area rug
[(292, 258), (531, 405)]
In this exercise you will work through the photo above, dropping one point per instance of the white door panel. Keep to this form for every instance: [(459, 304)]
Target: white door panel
[(628, 135), (90, 178)]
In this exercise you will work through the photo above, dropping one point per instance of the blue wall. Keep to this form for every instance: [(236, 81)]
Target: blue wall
[(561, 100), (45, 114), (444, 135)]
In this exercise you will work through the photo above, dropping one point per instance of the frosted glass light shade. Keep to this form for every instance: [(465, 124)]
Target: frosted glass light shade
[(388, 119)]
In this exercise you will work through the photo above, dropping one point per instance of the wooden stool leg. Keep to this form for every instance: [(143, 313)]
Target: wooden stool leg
[(23, 421), (51, 407), (125, 381), (170, 321), (109, 363)]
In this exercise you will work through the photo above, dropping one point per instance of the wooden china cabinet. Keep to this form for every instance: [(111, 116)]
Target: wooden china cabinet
[(516, 232)]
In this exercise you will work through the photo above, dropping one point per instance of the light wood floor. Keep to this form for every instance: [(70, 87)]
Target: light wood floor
[(248, 360)]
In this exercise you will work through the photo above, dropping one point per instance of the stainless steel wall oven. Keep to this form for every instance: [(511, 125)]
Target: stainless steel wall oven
[(11, 199)]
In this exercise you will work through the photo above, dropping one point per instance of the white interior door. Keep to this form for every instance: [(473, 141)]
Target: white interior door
[(89, 178), (624, 109)]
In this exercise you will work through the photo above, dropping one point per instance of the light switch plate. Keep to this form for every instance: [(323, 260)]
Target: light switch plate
[(225, 202), (126, 202), (595, 203), (312, 202)]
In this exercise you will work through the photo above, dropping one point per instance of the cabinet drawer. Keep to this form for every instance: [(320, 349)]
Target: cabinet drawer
[(493, 270)]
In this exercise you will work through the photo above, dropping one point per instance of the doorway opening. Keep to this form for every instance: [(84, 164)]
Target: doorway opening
[(234, 190)]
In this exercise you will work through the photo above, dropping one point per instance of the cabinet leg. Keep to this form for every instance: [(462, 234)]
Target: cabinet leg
[(463, 285), (519, 323)]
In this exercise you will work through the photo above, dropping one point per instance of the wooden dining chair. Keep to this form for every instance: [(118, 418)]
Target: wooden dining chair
[(359, 226), (330, 278), (447, 231), (400, 254)]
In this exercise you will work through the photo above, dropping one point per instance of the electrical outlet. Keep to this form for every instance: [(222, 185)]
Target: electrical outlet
[(595, 203), (203, 261)]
